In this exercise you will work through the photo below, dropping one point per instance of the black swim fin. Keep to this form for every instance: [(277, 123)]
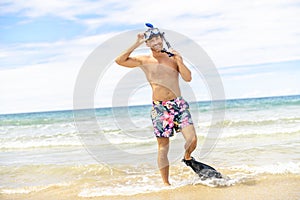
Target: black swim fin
[(204, 171)]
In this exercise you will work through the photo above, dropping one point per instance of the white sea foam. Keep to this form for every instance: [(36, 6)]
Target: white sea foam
[(278, 168), (223, 182), (151, 186), (41, 143)]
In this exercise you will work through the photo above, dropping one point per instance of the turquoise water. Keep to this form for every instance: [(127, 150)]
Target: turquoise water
[(37, 150)]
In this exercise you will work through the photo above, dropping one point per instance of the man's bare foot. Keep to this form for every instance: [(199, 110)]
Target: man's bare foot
[(167, 184)]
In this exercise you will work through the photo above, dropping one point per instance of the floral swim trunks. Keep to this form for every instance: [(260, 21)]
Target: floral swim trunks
[(170, 116)]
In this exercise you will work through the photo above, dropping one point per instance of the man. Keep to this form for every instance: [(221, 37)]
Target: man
[(170, 112)]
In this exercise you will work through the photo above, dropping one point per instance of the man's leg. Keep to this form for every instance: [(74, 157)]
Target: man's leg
[(162, 160), (190, 137)]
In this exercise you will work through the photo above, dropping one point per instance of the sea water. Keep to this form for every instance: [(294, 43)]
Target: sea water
[(116, 151)]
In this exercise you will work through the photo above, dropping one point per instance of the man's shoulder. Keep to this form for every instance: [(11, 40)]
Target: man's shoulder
[(145, 59)]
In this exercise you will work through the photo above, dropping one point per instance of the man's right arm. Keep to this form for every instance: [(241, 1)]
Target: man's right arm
[(124, 58)]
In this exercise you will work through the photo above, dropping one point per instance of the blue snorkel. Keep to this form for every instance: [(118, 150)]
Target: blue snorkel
[(151, 27)]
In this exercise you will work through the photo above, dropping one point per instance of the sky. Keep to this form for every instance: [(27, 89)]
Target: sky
[(255, 45)]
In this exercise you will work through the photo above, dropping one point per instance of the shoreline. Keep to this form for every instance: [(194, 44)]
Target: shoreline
[(273, 187)]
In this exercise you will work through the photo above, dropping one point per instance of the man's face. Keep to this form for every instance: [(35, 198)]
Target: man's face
[(155, 43)]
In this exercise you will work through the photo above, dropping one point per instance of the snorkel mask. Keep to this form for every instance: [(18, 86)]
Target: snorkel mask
[(152, 32)]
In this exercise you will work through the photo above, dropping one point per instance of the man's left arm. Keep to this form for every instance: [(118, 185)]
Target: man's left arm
[(183, 70)]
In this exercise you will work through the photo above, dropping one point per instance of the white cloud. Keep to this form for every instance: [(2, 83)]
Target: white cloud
[(37, 87), (41, 76), (269, 82), (233, 33), (24, 54)]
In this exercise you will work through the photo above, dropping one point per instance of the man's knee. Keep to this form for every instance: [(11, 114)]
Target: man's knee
[(163, 144), (163, 149), (192, 140)]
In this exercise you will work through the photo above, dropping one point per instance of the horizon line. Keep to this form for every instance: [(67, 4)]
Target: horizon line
[(109, 107)]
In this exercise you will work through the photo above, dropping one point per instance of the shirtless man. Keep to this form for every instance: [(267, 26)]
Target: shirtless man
[(170, 112)]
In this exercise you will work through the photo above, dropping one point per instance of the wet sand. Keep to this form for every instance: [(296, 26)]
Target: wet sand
[(284, 186)]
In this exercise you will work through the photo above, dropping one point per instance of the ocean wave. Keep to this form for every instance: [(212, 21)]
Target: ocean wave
[(261, 134), (28, 119), (263, 103), (39, 143), (278, 168), (68, 139), (129, 139), (256, 122)]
